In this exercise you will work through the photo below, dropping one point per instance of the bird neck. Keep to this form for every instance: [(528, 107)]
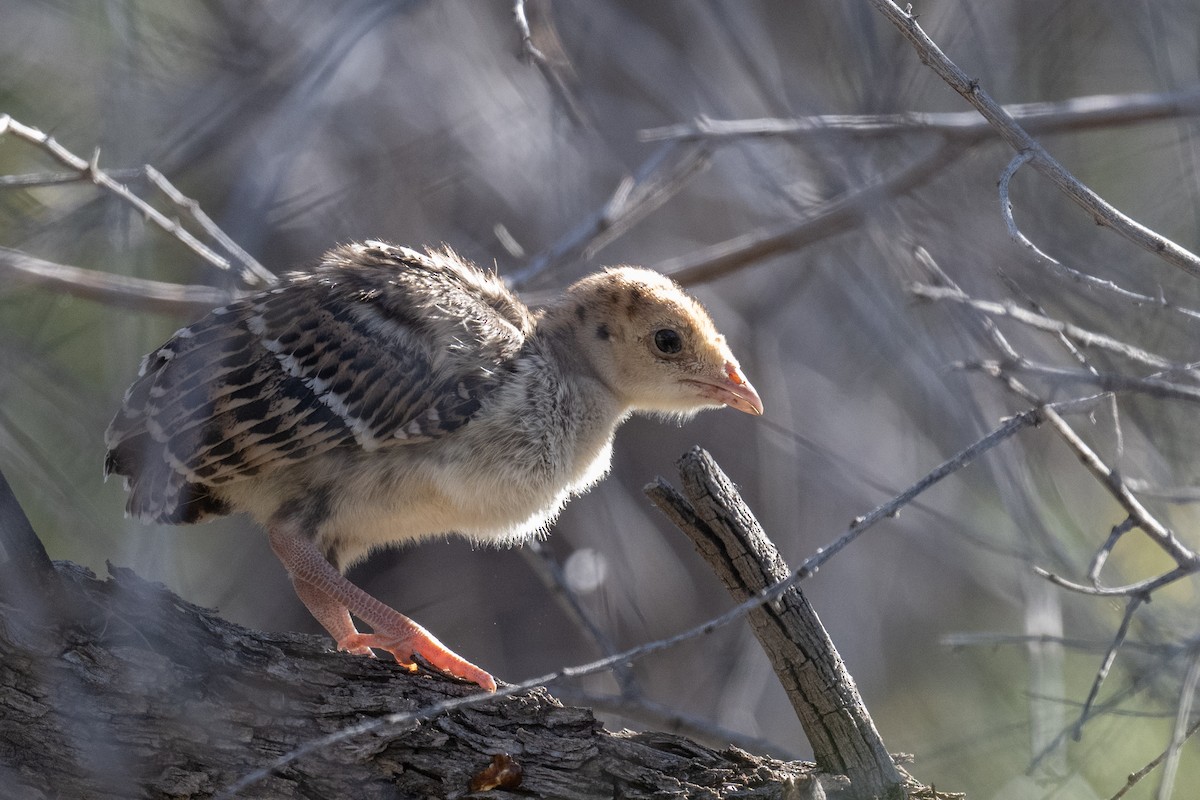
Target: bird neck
[(557, 341)]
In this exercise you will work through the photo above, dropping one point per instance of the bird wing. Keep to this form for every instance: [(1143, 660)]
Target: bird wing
[(377, 347)]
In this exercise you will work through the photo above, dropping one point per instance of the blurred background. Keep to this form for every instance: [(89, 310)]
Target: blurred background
[(298, 125)]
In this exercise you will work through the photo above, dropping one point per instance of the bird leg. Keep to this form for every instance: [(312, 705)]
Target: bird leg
[(332, 615), (331, 598)]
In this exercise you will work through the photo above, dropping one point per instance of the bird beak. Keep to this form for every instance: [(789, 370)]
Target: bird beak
[(734, 391)]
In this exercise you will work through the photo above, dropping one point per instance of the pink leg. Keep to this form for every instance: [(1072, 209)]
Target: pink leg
[(332, 615), (329, 596)]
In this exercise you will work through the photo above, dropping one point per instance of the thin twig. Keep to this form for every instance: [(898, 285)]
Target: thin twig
[(1161, 534), (1129, 590), (552, 72), (1098, 560), (1131, 607), (1019, 139), (958, 640), (1082, 278), (249, 262), (808, 568), (1078, 113), (1169, 494), (1136, 777), (522, 21), (1106, 381)]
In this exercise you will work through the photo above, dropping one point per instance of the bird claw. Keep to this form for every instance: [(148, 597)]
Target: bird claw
[(353, 645), (402, 649)]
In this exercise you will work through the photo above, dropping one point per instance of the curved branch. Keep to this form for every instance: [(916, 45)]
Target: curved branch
[(1019, 139)]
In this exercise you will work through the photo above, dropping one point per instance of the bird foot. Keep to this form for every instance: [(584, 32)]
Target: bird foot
[(351, 645), (402, 649)]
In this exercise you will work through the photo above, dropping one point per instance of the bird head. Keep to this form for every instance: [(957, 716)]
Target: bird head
[(653, 345)]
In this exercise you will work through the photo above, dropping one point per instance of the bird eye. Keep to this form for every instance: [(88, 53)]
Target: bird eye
[(668, 341)]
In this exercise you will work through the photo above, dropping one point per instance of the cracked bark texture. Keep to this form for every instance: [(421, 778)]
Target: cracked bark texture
[(824, 696), (117, 688)]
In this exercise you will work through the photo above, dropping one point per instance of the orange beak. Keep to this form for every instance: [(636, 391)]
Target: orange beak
[(735, 391)]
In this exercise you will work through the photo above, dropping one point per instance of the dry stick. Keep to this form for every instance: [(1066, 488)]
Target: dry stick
[(120, 290), (1020, 140), (550, 72), (835, 720), (1110, 656), (1160, 533), (1078, 113), (1044, 323), (1101, 557), (829, 219), (90, 170), (1135, 778), (1137, 513), (211, 228), (1009, 428)]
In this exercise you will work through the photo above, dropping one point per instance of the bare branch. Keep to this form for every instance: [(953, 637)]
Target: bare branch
[(1083, 278), (826, 220), (1070, 331), (723, 529), (58, 178), (555, 72), (1129, 590), (1020, 140), (1163, 536), (118, 290), (659, 177), (90, 170), (1136, 777), (1078, 113), (1106, 381), (1105, 550), (1131, 607), (193, 208)]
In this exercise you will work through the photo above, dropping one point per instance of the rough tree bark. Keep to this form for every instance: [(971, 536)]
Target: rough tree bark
[(117, 688)]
